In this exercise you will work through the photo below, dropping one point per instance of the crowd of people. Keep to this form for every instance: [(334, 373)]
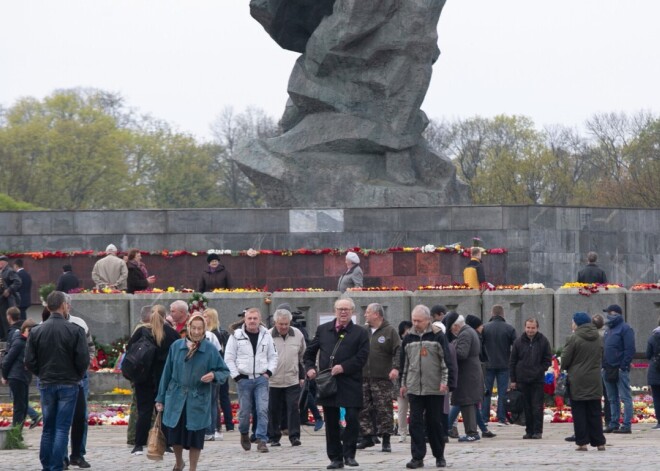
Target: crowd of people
[(436, 366)]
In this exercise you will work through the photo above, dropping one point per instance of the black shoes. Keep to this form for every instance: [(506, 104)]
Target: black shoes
[(245, 441), (295, 442), (274, 443), (609, 429), (414, 464), (440, 463), (570, 439), (537, 436), (335, 465), (622, 430), (365, 442), (488, 434), (80, 462), (387, 448), (351, 462)]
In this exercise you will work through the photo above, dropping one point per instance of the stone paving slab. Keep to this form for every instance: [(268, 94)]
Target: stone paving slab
[(107, 450)]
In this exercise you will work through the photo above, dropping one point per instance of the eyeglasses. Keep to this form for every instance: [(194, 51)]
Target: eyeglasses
[(343, 309)]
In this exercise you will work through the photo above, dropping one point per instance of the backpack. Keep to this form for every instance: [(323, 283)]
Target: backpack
[(139, 359)]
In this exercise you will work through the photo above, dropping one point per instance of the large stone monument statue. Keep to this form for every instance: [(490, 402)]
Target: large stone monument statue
[(352, 127)]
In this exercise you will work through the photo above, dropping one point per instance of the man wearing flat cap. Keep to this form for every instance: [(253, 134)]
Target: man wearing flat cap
[(352, 277), (10, 283), (215, 275), (619, 349), (111, 271)]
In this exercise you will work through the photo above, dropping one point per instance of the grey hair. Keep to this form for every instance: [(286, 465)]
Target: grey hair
[(345, 298), (282, 313), (145, 313), (377, 308), (421, 309), (460, 321), (67, 298), (179, 304)]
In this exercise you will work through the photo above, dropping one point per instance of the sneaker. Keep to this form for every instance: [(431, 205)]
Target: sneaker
[(245, 441), (469, 438), (403, 438), (453, 433), (137, 450), (318, 425), (209, 438), (262, 447), (488, 434), (218, 436), (35, 421)]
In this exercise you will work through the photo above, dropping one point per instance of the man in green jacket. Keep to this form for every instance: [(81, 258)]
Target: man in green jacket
[(377, 375)]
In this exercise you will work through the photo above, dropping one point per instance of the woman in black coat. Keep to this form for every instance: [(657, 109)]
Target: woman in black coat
[(215, 276), (138, 276), (653, 378), (15, 373), (163, 336)]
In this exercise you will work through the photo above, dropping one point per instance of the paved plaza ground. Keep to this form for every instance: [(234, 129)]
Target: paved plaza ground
[(107, 450)]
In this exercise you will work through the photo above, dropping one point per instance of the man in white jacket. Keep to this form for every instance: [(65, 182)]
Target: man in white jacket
[(252, 359)]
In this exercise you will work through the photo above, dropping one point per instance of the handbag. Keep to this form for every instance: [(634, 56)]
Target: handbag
[(611, 374), (326, 383), (156, 441)]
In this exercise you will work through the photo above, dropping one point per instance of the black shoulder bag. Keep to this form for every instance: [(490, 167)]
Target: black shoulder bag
[(326, 384)]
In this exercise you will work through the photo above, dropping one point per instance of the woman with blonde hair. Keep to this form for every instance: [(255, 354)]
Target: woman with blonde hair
[(163, 336)]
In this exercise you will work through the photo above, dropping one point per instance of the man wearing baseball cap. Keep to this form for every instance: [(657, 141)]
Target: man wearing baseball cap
[(619, 349)]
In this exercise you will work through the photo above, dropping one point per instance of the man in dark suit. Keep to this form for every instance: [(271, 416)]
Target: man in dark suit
[(10, 284), (342, 347), (25, 292), (67, 280)]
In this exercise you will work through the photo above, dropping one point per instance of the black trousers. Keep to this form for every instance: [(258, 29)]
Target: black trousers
[(587, 423), (533, 400), (655, 391), (341, 445), (606, 406), (145, 395), (426, 419), (279, 401), (19, 390), (78, 424)]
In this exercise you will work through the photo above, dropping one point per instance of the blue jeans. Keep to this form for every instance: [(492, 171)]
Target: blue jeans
[(502, 376), (210, 430), (620, 392), (455, 410), (58, 402), (247, 389)]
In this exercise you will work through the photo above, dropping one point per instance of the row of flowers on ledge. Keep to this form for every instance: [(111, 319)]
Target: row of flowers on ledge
[(585, 289), (429, 248)]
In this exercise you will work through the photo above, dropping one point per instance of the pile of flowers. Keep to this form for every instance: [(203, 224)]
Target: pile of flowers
[(587, 289), (645, 286), (120, 391), (238, 290), (378, 288), (515, 287), (301, 290), (114, 414), (454, 287)]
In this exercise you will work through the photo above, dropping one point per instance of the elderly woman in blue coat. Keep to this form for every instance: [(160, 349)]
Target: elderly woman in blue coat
[(185, 391)]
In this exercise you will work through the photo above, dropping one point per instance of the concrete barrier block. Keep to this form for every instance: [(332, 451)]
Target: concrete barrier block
[(317, 307), (395, 303), (138, 301), (521, 304), (642, 311), (464, 302), (106, 315), (568, 301)]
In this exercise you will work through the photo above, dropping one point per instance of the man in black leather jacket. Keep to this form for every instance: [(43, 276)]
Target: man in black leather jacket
[(57, 353)]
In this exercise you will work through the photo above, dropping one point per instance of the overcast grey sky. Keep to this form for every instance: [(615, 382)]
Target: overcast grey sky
[(184, 61)]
